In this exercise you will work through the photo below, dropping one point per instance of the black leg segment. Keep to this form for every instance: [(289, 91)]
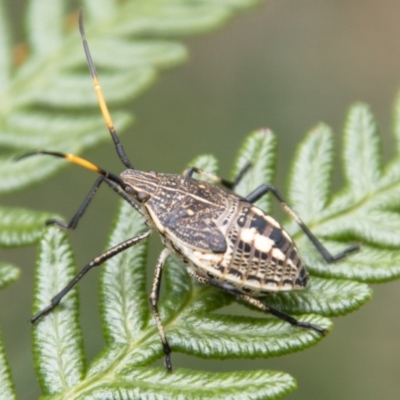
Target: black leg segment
[(216, 179), (227, 287), (72, 224), (279, 314)]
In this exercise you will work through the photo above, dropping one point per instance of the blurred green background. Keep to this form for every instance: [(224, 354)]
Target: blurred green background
[(286, 65)]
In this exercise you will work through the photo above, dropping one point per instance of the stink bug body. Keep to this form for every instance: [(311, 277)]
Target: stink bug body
[(222, 238)]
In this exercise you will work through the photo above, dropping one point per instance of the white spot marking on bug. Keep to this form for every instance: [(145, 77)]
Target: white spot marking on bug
[(253, 283), (263, 243), (190, 212), (278, 254), (287, 286), (247, 235), (207, 257), (257, 211)]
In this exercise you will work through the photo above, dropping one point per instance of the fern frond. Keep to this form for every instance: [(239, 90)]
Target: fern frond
[(188, 310)]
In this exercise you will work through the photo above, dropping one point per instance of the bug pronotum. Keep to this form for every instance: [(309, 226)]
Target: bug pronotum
[(222, 238)]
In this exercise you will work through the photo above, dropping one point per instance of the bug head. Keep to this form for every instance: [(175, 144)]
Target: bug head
[(138, 184)]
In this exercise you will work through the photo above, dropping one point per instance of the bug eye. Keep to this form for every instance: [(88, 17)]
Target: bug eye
[(141, 196), (129, 190)]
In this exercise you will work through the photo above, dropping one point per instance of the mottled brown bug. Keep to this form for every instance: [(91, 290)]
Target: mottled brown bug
[(222, 238)]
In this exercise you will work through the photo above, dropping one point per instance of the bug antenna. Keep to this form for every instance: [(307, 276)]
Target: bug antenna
[(78, 161), (100, 97)]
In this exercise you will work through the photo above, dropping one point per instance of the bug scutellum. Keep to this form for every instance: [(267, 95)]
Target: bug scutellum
[(222, 238)]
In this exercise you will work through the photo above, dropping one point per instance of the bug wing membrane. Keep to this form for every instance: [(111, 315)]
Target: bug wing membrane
[(187, 217), (199, 233), (261, 257)]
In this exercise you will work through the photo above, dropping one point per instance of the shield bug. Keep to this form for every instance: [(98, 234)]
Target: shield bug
[(222, 238)]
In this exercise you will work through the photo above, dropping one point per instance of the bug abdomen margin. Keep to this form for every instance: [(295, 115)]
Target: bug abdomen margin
[(261, 257)]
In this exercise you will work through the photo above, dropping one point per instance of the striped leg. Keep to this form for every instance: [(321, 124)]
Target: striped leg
[(154, 296), (94, 263)]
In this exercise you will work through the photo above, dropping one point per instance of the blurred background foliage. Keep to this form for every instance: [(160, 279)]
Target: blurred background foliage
[(287, 66)]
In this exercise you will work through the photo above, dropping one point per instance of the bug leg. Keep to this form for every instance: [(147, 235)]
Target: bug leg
[(154, 296), (285, 317), (216, 179), (72, 224), (239, 176), (94, 263), (227, 287), (264, 189)]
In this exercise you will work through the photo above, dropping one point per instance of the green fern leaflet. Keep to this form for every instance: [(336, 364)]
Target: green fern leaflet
[(188, 310)]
